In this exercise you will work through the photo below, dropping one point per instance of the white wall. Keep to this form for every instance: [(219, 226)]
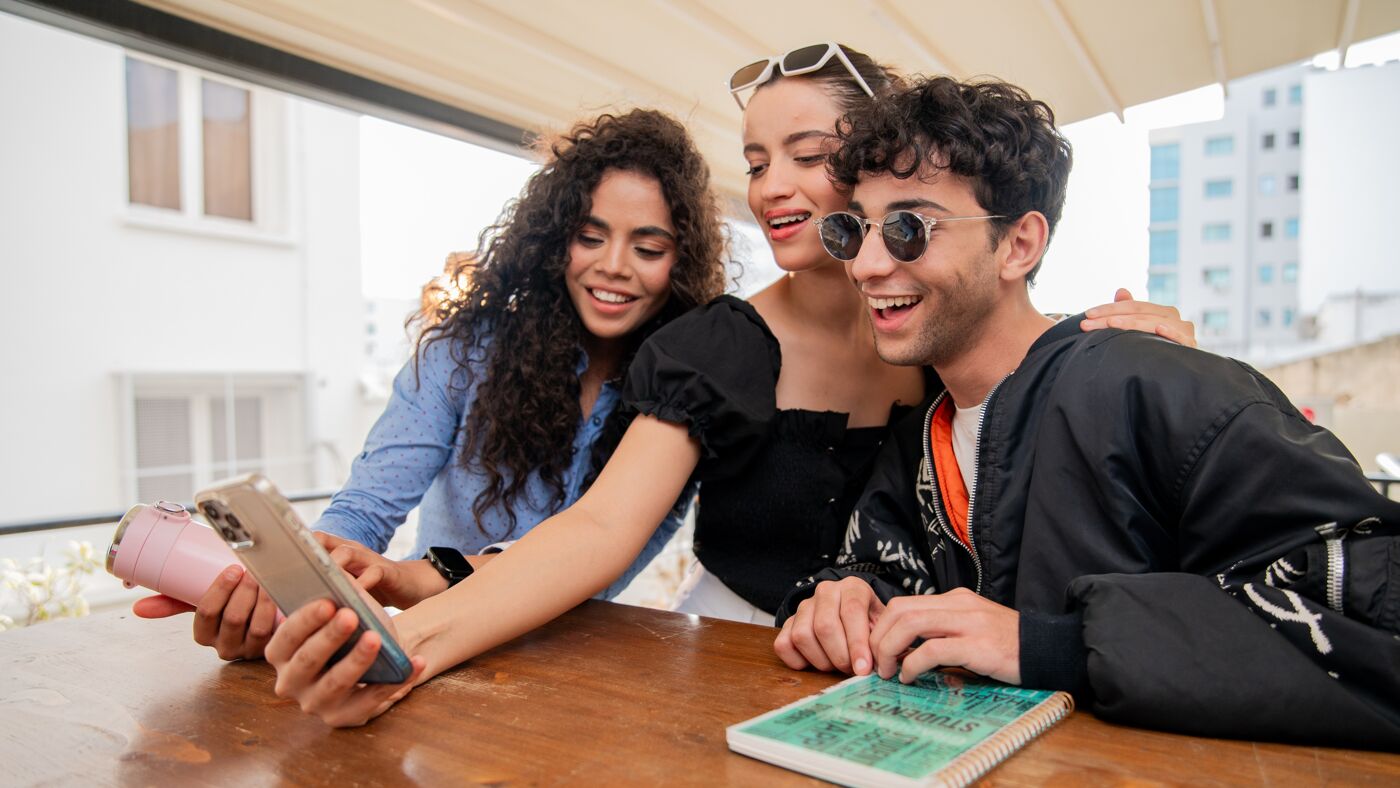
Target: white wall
[(1350, 169), (90, 291)]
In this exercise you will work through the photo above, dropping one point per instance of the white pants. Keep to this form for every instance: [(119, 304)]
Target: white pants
[(704, 594)]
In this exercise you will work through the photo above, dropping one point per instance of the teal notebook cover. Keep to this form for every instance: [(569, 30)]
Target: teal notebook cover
[(944, 728)]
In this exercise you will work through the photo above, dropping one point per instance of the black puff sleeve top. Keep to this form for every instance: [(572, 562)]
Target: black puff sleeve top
[(777, 487), (714, 369)]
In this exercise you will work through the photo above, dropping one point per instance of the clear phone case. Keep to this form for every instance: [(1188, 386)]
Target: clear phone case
[(258, 522)]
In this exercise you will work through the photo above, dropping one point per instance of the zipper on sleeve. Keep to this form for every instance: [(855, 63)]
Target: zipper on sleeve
[(1336, 563)]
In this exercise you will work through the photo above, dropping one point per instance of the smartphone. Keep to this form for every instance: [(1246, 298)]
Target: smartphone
[(266, 534)]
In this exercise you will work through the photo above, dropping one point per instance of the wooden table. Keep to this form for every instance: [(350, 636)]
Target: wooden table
[(606, 694)]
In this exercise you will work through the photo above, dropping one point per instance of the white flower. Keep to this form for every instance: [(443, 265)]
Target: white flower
[(41, 576), (81, 557), (44, 592), (13, 578)]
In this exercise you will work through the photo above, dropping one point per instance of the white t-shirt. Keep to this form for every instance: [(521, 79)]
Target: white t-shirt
[(966, 423)]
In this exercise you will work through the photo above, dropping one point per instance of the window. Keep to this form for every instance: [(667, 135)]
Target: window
[(1164, 204), (1293, 183), (1215, 321), (244, 452), (1266, 274), (1267, 142), (1287, 317), (187, 436), (1216, 232), (1220, 188), (1290, 227), (1220, 146), (1266, 229), (1270, 97), (201, 146), (1166, 162), (152, 135), (1295, 94), (1264, 318), (1161, 289), (163, 449), (1161, 247), (1218, 278), (1295, 138), (1267, 184), (1290, 272), (228, 151)]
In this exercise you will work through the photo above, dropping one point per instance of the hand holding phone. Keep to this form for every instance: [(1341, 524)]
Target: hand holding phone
[(300, 651), (266, 534)]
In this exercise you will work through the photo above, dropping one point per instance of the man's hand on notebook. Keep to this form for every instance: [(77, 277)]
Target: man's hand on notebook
[(831, 629), (959, 629)]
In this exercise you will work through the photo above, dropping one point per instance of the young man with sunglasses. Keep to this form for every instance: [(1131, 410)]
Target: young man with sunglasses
[(1149, 526)]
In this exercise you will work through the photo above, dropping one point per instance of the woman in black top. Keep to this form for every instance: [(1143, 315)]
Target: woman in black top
[(774, 405)]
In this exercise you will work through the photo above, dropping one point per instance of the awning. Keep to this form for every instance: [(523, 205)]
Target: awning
[(540, 64)]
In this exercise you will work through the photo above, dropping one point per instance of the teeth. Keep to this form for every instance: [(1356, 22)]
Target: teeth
[(611, 298), (790, 219), (889, 303)]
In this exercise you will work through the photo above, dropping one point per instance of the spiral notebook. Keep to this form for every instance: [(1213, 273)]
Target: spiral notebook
[(944, 729)]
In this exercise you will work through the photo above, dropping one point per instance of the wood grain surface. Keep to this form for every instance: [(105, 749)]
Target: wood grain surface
[(607, 694)]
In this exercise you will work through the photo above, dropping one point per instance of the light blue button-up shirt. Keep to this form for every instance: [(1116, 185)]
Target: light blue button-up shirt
[(413, 456)]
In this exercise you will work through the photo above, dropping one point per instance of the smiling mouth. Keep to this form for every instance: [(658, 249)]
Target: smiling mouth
[(609, 297), (890, 307), (779, 222)]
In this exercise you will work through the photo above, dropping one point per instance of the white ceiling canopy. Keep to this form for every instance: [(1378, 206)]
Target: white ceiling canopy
[(540, 64)]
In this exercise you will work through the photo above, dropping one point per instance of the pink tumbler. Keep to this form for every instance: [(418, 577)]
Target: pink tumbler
[(161, 548)]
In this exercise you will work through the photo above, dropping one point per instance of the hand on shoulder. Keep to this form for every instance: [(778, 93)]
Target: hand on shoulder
[(1132, 315)]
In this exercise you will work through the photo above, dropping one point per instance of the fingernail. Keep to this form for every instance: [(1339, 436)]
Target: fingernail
[(862, 666), (233, 572)]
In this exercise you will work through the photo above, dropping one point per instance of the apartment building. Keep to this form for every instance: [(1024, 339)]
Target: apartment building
[(1226, 216)]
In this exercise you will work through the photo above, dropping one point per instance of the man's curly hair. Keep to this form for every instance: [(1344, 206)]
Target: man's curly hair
[(510, 301), (990, 132)]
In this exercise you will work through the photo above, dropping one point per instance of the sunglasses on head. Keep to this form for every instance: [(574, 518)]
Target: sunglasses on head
[(804, 60), (905, 233)]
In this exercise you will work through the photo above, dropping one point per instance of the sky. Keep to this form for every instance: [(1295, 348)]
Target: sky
[(424, 195)]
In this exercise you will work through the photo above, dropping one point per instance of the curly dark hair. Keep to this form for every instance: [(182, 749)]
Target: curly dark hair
[(510, 302), (990, 132)]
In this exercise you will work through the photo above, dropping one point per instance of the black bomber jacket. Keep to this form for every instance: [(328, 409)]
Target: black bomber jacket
[(1186, 551)]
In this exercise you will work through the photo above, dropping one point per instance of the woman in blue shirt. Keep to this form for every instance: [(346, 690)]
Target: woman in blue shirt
[(508, 409)]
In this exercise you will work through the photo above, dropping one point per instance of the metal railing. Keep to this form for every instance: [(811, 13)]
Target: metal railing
[(77, 521), (1383, 482)]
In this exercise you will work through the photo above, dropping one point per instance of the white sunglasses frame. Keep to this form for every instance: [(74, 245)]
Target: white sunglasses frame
[(832, 49)]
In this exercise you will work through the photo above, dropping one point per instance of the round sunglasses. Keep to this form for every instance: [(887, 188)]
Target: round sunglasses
[(905, 233)]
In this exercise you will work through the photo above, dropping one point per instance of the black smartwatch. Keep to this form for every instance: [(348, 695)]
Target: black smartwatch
[(450, 564)]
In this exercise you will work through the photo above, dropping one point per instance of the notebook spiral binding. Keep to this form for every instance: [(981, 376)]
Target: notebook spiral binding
[(998, 747)]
